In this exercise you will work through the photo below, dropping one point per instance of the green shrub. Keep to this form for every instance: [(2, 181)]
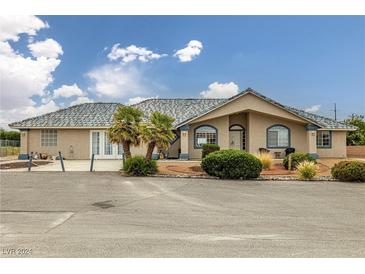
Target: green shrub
[(232, 164), (297, 157), (140, 166), (349, 171), (307, 170), (209, 148)]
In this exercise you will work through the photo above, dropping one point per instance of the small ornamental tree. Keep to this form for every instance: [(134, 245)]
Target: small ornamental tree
[(157, 132), (357, 137), (126, 127)]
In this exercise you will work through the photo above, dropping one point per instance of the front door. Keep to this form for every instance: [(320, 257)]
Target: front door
[(235, 139)]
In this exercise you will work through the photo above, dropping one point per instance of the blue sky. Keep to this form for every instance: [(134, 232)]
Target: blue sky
[(308, 62)]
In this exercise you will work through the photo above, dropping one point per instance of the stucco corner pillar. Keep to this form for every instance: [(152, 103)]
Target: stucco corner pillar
[(184, 135), (312, 140), (24, 144), (250, 134)]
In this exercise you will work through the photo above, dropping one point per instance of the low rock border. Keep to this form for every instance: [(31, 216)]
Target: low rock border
[(261, 178), (294, 178)]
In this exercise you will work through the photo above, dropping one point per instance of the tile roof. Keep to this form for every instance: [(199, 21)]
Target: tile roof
[(321, 121), (181, 109), (83, 115), (100, 114)]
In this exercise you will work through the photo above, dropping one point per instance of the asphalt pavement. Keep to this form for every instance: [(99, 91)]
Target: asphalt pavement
[(101, 214)]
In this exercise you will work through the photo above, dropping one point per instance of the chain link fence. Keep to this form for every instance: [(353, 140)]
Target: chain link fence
[(9, 147)]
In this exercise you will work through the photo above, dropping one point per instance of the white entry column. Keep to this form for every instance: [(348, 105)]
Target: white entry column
[(184, 132), (312, 140)]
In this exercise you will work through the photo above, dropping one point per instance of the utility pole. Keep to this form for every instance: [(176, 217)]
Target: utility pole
[(335, 111)]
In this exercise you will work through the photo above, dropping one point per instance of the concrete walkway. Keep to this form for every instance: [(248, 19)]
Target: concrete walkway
[(75, 165)]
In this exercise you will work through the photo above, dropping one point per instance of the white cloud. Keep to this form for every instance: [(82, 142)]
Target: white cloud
[(138, 99), (81, 100), (220, 90), (6, 49), (18, 114), (132, 53), (31, 111), (13, 25), (23, 77), (190, 52), (47, 48), (313, 109), (68, 91), (116, 81)]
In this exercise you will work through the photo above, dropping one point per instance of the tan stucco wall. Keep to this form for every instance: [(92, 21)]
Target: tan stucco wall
[(238, 119), (173, 150), (78, 138), (24, 142), (221, 124), (258, 124), (249, 102), (338, 149), (140, 150)]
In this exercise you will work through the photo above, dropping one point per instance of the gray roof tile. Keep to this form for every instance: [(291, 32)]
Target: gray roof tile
[(90, 115), (180, 109), (83, 115)]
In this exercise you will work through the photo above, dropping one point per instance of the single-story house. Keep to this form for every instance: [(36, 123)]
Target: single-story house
[(247, 121)]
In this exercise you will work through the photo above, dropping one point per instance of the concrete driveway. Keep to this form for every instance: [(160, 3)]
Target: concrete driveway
[(73, 165), (81, 214)]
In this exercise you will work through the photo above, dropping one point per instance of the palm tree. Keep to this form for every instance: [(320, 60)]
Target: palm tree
[(157, 132), (126, 127)]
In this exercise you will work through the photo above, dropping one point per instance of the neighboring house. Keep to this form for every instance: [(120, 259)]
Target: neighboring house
[(248, 121)]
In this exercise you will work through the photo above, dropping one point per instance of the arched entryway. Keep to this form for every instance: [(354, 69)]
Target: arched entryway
[(237, 137)]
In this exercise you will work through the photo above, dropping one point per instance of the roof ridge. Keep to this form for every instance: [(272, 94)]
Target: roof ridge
[(188, 98), (179, 99)]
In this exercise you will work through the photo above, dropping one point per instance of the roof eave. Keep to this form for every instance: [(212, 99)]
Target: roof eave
[(58, 127), (338, 129)]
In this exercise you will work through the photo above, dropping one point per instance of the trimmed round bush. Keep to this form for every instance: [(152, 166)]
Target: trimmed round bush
[(349, 171), (297, 157), (232, 164), (209, 148), (139, 166)]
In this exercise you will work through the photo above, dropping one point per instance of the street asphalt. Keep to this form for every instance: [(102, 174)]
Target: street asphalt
[(101, 214)]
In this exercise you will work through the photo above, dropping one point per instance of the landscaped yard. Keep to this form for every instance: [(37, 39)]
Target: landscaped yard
[(22, 164), (192, 168)]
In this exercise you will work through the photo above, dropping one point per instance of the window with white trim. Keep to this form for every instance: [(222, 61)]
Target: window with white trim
[(278, 137), (95, 142), (108, 147), (205, 135), (120, 149), (48, 137), (323, 138)]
